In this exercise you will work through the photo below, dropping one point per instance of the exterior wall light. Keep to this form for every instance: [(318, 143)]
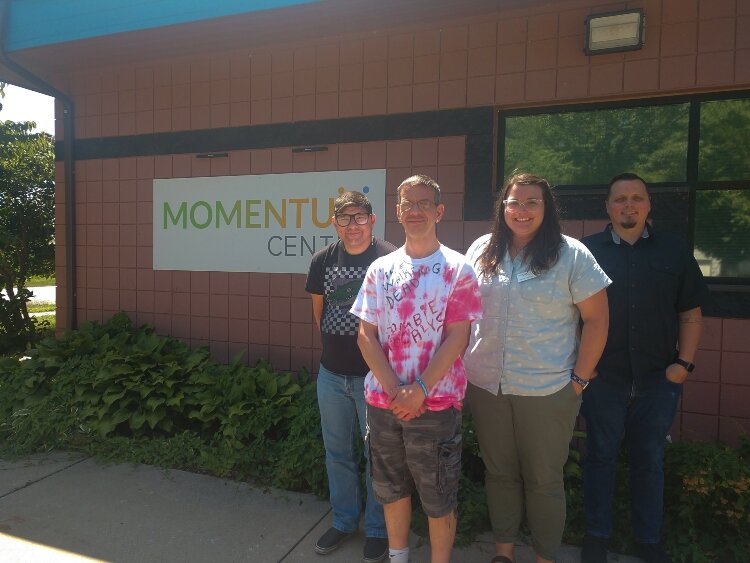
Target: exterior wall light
[(615, 31)]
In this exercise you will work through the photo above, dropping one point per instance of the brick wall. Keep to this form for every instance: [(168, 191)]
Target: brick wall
[(511, 58)]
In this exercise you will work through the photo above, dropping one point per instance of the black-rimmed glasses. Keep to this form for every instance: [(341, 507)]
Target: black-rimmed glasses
[(344, 219)]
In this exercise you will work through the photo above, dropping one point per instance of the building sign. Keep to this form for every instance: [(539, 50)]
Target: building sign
[(262, 223)]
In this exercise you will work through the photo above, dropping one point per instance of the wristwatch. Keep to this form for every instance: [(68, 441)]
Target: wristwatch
[(578, 379), (687, 365)]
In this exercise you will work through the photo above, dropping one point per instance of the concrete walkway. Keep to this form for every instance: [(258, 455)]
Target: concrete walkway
[(61, 507), (43, 294)]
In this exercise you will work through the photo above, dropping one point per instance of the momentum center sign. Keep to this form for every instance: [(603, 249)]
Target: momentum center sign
[(261, 223)]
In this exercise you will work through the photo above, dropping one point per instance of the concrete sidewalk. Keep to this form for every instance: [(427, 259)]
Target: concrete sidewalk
[(43, 294), (62, 507)]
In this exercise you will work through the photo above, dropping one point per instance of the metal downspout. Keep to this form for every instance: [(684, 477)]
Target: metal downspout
[(70, 209)]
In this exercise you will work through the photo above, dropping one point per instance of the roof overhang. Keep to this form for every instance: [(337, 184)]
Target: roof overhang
[(278, 22)]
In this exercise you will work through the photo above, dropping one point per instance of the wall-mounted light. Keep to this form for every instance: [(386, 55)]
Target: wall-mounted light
[(615, 31)]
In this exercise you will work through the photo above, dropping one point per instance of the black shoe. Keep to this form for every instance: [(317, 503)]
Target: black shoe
[(652, 553), (594, 550), (376, 549), (331, 541)]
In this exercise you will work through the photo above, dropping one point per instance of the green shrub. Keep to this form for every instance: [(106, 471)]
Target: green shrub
[(122, 393), (125, 393), (706, 504)]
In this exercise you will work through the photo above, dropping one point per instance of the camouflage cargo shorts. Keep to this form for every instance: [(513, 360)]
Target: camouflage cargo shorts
[(424, 453)]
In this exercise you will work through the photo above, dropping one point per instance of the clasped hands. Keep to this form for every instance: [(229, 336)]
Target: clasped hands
[(406, 401)]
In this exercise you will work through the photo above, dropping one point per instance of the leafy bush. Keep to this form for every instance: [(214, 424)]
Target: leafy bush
[(125, 394), (130, 394), (706, 503)]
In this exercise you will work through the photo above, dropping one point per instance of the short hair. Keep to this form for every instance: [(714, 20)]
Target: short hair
[(349, 199), (627, 176), (420, 180)]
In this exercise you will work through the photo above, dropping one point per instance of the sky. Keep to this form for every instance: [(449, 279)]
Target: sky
[(25, 105)]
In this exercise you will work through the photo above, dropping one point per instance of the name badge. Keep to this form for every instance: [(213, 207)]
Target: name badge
[(525, 276)]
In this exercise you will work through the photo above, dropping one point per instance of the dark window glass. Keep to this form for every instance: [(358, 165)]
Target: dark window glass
[(725, 141), (589, 147), (722, 232)]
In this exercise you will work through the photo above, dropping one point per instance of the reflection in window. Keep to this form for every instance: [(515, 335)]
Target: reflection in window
[(725, 141), (722, 232), (589, 147)]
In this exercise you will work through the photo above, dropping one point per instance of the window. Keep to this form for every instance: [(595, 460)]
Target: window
[(722, 233), (589, 147), (724, 148), (693, 151)]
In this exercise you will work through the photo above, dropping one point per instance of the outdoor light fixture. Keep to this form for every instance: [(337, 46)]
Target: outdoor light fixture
[(615, 31)]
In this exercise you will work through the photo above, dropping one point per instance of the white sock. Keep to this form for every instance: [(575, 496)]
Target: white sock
[(399, 555)]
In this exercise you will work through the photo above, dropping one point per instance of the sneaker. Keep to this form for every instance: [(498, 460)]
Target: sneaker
[(376, 549), (594, 550), (331, 541), (652, 553)]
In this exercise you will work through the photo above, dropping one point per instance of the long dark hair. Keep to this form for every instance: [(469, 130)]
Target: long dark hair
[(543, 251)]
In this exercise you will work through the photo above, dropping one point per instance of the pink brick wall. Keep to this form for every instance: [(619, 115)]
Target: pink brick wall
[(513, 58), (506, 58)]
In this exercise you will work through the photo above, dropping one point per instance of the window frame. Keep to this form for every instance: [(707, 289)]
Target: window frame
[(691, 183)]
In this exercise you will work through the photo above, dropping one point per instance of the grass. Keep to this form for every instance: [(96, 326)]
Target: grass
[(40, 307), (40, 281)]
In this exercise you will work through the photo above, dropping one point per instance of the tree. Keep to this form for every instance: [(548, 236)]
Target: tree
[(589, 147), (27, 208), (722, 226)]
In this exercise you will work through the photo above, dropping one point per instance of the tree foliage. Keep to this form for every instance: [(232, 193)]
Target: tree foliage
[(27, 209), (722, 226), (589, 147), (585, 148)]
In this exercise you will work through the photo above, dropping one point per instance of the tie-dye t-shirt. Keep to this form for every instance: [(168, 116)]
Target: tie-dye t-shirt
[(411, 301)]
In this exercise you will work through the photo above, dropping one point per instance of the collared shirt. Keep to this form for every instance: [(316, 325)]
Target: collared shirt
[(654, 280), (527, 340)]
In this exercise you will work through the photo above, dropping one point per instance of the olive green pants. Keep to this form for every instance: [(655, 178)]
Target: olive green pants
[(524, 443)]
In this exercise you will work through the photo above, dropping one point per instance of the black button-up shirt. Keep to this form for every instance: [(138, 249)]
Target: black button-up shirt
[(653, 281)]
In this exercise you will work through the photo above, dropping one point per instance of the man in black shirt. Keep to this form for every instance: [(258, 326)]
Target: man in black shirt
[(654, 328), (336, 274)]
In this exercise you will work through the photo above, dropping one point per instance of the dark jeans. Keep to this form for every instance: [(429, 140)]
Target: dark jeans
[(640, 421)]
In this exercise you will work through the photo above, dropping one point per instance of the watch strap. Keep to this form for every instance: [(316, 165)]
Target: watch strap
[(689, 366), (578, 379)]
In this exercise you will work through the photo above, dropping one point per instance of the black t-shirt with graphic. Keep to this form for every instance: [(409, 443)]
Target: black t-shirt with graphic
[(338, 276)]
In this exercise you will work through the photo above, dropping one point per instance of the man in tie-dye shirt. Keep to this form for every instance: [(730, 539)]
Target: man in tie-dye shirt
[(416, 306)]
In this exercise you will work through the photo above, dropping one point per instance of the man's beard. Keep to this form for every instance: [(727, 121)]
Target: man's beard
[(628, 223)]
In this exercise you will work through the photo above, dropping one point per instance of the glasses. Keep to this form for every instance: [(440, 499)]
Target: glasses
[(423, 204), (514, 206), (344, 219)]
